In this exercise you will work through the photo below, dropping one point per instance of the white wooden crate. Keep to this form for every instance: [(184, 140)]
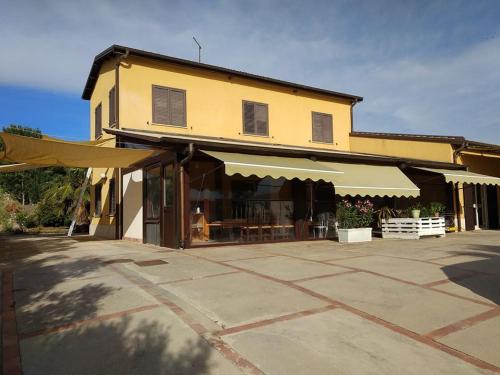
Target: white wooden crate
[(409, 228)]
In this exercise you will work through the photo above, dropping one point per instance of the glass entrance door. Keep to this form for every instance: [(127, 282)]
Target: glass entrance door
[(152, 205)]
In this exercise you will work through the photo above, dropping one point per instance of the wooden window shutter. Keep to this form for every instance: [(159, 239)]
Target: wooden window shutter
[(327, 129), (248, 118), (177, 107), (98, 121), (261, 119), (322, 127), (161, 111), (112, 106), (317, 132)]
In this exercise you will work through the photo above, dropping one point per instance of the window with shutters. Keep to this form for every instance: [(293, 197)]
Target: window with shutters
[(169, 106), (322, 127), (112, 197), (97, 199), (255, 118), (98, 121), (112, 107)]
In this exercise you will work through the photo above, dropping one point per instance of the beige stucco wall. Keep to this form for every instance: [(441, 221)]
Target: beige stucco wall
[(214, 105), (434, 151), (132, 205)]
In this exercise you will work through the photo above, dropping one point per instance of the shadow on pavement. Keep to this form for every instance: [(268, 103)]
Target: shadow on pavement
[(52, 289), (122, 346), (487, 282)]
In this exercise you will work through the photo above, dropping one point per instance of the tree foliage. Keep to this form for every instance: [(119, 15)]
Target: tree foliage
[(54, 190)]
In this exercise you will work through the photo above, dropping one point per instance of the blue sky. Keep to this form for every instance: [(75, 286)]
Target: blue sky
[(430, 67)]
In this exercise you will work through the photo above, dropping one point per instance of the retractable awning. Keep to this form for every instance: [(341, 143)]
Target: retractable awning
[(51, 152), (464, 176), (349, 179), (273, 166), (371, 180)]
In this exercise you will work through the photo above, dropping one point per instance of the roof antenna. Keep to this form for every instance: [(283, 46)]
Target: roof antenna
[(199, 49)]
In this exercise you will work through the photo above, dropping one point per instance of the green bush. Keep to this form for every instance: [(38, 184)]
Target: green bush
[(358, 215)]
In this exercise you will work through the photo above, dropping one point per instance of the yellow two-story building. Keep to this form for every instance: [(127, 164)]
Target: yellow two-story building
[(241, 157)]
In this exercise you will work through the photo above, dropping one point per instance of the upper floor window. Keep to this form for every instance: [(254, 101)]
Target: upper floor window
[(169, 106), (98, 121), (322, 127), (98, 199), (112, 107), (255, 118), (112, 197)]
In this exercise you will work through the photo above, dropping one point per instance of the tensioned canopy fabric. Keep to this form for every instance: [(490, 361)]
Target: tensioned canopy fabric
[(372, 180), (18, 167), (349, 179), (273, 166), (464, 176), (50, 152)]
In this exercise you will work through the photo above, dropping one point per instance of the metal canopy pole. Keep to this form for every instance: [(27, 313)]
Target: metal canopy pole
[(80, 201)]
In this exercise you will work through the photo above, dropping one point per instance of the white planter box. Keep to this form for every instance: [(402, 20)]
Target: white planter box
[(409, 228), (355, 235)]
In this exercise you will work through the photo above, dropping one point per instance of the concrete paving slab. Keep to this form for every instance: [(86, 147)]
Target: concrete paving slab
[(179, 267), (75, 300), (412, 307), (226, 253), (241, 298), (409, 270), (287, 268), (149, 342), (481, 340), (485, 288), (314, 250), (338, 342)]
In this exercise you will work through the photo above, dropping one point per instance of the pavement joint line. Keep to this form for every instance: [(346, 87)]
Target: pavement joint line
[(422, 339), (393, 327), (196, 278), (222, 347), (11, 353), (399, 280), (252, 258), (282, 318), (465, 275), (322, 276), (83, 322), (463, 324), (349, 257)]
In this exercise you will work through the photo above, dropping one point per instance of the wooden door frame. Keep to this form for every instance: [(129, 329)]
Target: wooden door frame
[(145, 220)]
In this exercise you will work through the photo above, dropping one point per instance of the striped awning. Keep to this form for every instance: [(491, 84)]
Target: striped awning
[(464, 176), (371, 180), (273, 166)]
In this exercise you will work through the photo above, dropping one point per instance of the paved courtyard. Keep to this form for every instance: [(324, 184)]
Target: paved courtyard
[(83, 306)]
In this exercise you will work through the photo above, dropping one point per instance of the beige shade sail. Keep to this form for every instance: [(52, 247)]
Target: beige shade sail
[(18, 167), (464, 176), (50, 152), (371, 180), (273, 166)]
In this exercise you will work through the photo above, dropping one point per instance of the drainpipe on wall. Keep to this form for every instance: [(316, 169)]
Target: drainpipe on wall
[(352, 121), (119, 221), (189, 156)]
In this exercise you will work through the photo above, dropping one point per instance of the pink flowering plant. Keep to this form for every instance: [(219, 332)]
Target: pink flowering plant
[(354, 215)]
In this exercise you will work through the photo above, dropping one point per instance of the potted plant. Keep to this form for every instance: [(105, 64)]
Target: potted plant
[(415, 210), (354, 221), (437, 208)]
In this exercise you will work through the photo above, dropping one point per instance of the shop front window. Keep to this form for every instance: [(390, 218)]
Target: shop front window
[(238, 209)]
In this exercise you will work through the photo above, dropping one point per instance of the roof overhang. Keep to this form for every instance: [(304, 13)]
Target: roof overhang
[(234, 145), (116, 51)]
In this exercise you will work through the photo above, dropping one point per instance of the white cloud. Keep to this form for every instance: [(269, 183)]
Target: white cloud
[(422, 69)]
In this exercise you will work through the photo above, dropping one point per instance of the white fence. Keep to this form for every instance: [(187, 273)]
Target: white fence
[(409, 228)]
